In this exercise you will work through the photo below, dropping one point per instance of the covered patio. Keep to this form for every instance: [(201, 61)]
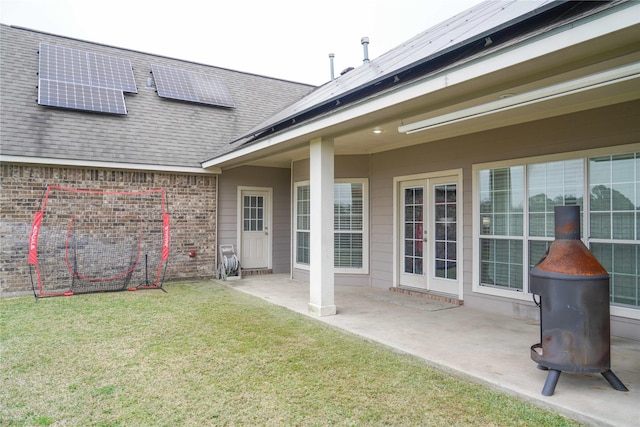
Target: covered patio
[(486, 348)]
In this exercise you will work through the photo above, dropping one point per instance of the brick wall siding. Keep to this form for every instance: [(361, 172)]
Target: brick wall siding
[(191, 202)]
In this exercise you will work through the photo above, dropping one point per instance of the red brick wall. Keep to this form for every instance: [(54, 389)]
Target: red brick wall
[(191, 202)]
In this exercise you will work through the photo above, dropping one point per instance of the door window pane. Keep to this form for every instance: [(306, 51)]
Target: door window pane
[(253, 211), (414, 230), (445, 218)]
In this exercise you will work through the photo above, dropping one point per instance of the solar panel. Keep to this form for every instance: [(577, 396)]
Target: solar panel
[(81, 80), (185, 85), (70, 65), (80, 97), (112, 72)]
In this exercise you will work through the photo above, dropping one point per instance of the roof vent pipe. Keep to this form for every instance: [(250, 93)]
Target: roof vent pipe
[(331, 56), (365, 46)]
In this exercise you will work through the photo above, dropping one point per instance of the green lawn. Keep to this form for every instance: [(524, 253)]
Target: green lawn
[(204, 354)]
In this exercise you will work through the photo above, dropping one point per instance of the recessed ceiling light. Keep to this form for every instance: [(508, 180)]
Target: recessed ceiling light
[(377, 131)]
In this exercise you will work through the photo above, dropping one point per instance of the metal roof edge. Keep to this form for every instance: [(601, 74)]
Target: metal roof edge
[(381, 83)]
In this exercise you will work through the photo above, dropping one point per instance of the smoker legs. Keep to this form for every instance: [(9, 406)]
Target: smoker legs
[(614, 381), (551, 382), (554, 375)]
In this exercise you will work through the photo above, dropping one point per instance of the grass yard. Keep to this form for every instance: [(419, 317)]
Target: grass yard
[(204, 354)]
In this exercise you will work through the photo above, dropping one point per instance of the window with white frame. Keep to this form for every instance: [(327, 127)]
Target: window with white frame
[(614, 220), (607, 188), (501, 227), (302, 224), (350, 225)]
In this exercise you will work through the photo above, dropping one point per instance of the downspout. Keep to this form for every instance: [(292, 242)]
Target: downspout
[(215, 266), (292, 219)]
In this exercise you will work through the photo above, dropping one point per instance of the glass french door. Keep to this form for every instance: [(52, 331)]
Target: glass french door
[(429, 219)]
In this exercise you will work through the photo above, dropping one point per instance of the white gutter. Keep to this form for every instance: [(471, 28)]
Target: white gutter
[(108, 165), (545, 44), (617, 75)]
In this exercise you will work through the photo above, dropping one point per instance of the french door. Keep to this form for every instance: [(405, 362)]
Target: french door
[(429, 219)]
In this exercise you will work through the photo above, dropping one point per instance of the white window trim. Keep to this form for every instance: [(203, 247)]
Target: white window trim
[(525, 295), (365, 226)]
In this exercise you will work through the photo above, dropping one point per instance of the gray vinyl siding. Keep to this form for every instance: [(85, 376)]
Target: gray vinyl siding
[(610, 126), (278, 179)]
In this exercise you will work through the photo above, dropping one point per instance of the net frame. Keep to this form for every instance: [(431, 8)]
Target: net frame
[(93, 242)]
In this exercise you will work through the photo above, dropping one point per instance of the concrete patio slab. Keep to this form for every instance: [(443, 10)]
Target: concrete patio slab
[(482, 347)]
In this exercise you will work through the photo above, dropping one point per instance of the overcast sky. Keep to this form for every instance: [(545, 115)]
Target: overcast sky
[(287, 39)]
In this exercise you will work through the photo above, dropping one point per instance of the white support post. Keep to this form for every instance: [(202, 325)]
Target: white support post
[(321, 281)]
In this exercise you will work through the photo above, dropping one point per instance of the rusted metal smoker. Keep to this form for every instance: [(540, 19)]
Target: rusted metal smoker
[(574, 307)]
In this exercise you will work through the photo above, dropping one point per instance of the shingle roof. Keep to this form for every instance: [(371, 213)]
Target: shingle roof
[(156, 131)]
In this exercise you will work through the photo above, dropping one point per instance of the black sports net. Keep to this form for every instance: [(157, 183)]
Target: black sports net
[(97, 241)]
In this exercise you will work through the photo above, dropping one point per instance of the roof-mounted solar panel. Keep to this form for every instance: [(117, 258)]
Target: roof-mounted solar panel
[(81, 97), (81, 80), (70, 65), (184, 85), (63, 64), (112, 72)]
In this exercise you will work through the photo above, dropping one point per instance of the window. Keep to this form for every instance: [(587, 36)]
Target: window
[(501, 219), (607, 188), (549, 185), (348, 218), (303, 223), (350, 226), (614, 220)]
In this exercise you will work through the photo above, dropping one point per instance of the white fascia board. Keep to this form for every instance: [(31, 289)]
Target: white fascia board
[(628, 72), (107, 165), (544, 44)]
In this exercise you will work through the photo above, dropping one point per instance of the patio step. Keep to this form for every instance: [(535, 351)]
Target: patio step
[(428, 295)]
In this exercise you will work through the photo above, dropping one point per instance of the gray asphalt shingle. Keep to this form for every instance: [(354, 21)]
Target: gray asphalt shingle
[(156, 131)]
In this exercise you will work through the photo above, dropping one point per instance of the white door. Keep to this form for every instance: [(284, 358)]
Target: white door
[(254, 225), (429, 234)]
